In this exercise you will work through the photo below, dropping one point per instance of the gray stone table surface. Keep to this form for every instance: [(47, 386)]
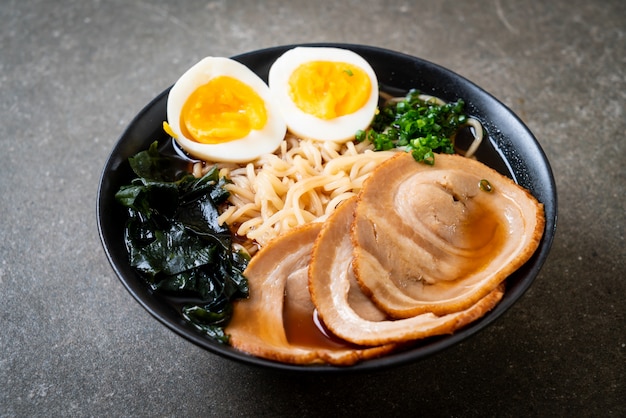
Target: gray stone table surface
[(73, 74)]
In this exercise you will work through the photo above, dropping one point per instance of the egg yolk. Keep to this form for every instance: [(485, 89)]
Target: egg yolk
[(328, 89), (222, 110)]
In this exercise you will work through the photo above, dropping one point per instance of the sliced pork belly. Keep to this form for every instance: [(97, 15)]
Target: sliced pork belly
[(348, 313), (277, 321), (439, 238)]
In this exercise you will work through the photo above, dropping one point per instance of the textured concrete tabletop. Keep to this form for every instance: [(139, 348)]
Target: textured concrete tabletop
[(73, 342)]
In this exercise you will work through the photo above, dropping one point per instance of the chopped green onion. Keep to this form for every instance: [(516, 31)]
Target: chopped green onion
[(422, 127), (485, 186)]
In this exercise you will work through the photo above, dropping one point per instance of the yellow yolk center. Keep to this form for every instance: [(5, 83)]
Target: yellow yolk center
[(328, 89), (222, 110)]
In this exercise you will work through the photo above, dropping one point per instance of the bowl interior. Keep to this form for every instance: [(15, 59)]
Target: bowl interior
[(510, 148)]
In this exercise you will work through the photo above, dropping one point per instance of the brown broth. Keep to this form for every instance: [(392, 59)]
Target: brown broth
[(306, 329)]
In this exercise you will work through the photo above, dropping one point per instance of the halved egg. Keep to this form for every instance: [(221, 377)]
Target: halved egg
[(219, 110), (324, 93)]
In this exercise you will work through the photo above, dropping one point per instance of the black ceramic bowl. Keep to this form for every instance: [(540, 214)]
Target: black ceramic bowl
[(510, 148)]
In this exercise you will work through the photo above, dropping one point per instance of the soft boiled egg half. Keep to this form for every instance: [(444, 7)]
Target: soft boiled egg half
[(219, 110), (324, 93)]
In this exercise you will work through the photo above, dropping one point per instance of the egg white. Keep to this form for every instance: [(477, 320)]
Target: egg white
[(256, 143), (305, 125)]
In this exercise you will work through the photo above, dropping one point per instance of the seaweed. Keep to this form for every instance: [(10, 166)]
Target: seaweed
[(175, 242)]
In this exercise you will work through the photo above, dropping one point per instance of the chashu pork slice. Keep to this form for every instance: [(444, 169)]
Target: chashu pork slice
[(349, 314), (439, 238), (277, 321)]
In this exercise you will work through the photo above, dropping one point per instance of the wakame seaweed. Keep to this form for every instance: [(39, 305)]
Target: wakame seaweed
[(175, 242)]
